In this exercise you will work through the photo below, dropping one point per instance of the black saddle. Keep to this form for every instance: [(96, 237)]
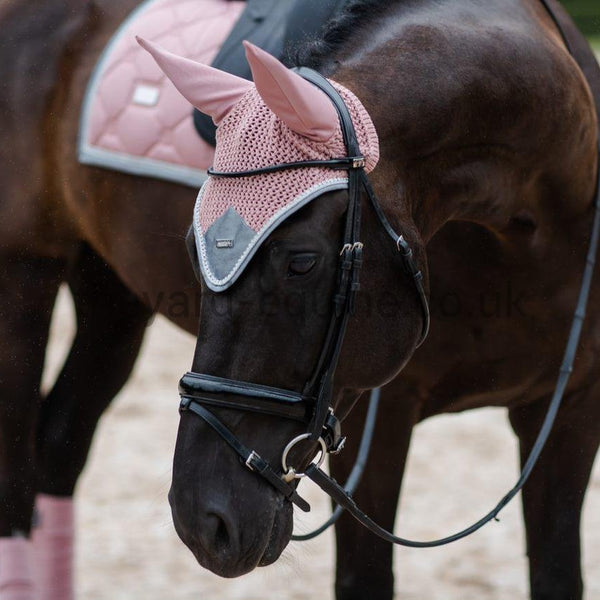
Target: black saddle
[(276, 26)]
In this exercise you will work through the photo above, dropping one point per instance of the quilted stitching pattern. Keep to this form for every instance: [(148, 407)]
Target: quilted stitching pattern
[(164, 131)]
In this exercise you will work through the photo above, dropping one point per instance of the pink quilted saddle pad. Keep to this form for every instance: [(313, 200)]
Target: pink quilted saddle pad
[(133, 119)]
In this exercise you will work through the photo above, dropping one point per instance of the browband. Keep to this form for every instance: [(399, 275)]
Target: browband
[(342, 164)]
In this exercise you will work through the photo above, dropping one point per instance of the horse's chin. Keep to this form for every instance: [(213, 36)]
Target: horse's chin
[(281, 533)]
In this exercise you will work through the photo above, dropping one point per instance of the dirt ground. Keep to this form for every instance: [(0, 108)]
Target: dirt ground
[(458, 469)]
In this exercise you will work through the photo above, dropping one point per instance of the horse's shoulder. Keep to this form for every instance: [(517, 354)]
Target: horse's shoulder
[(500, 49), (487, 101)]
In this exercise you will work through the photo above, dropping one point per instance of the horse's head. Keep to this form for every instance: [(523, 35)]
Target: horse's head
[(280, 258)]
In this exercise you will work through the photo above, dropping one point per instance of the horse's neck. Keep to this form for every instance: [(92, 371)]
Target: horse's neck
[(475, 122)]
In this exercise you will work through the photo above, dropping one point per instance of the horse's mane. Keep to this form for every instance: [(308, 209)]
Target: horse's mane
[(354, 16)]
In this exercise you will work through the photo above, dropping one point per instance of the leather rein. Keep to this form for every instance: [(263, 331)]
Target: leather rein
[(313, 406)]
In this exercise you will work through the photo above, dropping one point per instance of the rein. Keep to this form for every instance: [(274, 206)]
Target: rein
[(312, 407)]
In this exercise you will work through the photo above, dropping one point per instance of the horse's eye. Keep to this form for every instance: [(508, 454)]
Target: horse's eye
[(301, 265)]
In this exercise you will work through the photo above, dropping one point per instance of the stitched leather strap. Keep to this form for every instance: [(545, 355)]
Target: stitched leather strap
[(250, 458), (357, 470), (342, 164), (344, 500)]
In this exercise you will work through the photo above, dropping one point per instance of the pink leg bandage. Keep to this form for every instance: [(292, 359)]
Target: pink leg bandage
[(53, 548), (16, 578)]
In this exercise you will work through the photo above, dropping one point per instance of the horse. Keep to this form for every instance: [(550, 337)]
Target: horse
[(488, 167), (482, 214)]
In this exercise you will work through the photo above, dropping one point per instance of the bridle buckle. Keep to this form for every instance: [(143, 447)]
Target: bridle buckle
[(346, 248), (252, 457), (338, 447)]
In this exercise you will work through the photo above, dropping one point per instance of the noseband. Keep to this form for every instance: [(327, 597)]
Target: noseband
[(313, 406)]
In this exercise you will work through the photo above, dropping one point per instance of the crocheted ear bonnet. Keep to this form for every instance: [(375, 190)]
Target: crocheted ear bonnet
[(278, 120)]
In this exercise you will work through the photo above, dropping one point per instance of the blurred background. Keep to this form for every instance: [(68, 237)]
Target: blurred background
[(587, 16)]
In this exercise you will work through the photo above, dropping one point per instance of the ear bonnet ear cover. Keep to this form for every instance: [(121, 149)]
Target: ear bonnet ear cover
[(294, 122), (233, 217)]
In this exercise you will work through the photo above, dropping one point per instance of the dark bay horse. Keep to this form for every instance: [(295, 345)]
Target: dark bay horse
[(473, 172), (488, 160)]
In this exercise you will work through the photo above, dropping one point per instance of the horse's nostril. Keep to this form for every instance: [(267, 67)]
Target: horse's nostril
[(215, 533)]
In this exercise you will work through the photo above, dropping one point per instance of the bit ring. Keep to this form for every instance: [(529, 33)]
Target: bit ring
[(289, 471)]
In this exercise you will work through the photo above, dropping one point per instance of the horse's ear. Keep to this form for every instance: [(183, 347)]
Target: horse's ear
[(303, 107), (210, 90)]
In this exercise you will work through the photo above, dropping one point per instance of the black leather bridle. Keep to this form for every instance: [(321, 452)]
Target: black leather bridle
[(313, 406)]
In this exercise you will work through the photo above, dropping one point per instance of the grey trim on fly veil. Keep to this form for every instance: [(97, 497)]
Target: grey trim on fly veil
[(222, 265)]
